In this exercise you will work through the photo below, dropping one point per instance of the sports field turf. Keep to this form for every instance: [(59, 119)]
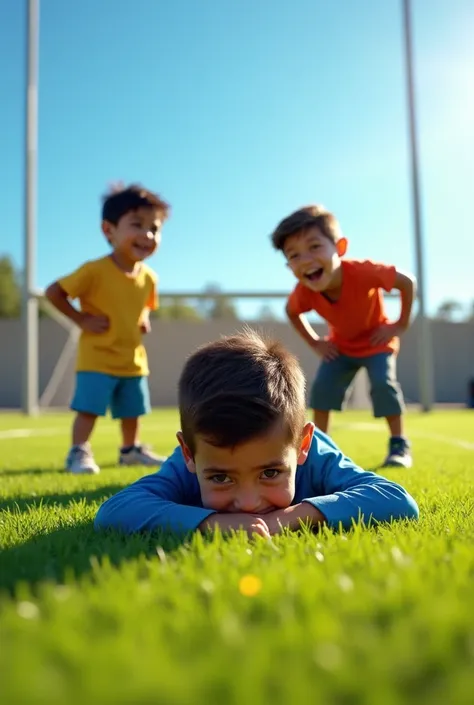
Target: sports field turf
[(381, 617)]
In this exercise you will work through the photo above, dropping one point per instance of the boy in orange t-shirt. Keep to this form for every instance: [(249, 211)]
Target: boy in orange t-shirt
[(347, 294)]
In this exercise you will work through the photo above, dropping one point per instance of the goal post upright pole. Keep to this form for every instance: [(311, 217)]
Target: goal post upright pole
[(425, 343), (30, 353)]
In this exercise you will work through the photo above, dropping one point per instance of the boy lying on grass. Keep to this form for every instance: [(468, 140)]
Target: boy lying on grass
[(247, 457)]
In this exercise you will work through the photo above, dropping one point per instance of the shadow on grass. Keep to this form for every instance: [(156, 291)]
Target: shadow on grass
[(67, 554), (29, 471), (374, 468), (108, 465), (25, 503), (50, 471)]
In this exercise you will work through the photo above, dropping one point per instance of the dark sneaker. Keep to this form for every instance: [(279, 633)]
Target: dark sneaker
[(399, 455)]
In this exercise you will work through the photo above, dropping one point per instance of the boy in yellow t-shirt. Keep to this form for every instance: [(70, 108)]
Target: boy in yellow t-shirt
[(116, 294)]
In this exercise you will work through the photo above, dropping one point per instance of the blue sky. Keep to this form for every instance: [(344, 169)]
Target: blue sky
[(237, 112)]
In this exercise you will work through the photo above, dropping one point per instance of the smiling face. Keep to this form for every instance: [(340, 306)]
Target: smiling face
[(136, 236), (255, 477), (315, 259)]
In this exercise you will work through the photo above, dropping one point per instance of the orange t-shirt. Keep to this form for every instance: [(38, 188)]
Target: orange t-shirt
[(358, 311)]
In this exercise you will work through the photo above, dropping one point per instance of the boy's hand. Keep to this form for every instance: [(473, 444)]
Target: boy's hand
[(384, 333), (292, 517), (233, 522), (325, 349), (94, 324), (145, 326)]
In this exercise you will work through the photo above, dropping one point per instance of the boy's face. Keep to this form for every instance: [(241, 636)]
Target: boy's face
[(137, 235), (314, 259), (255, 477)]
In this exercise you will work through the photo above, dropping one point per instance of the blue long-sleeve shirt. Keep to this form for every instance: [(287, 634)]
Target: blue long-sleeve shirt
[(331, 482)]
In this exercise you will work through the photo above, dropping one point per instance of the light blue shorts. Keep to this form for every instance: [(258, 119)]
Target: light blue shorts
[(126, 397)]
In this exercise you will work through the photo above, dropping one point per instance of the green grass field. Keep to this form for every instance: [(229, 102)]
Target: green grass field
[(381, 617)]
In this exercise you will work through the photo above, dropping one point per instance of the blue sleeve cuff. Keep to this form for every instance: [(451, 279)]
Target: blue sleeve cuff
[(335, 511), (130, 512), (340, 511), (183, 519)]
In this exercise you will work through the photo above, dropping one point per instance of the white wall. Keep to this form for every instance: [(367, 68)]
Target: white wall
[(172, 341)]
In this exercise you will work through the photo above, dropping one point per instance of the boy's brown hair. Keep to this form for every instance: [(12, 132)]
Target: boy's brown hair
[(237, 388), (123, 199), (303, 219)]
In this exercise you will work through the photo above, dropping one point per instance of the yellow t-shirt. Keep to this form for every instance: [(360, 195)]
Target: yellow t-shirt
[(103, 288)]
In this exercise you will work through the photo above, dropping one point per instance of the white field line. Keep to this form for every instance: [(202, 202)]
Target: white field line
[(104, 430), (368, 426), (28, 432), (361, 426)]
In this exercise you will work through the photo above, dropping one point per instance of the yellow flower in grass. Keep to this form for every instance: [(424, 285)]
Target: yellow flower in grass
[(250, 585)]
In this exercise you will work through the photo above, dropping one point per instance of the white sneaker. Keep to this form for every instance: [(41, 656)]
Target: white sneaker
[(140, 455), (80, 461)]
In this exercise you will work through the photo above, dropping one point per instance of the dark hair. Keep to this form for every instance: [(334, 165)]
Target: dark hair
[(236, 389), (303, 219), (122, 200)]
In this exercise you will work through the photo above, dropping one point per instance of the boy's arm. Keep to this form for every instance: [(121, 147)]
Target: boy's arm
[(60, 300), (145, 323), (300, 323), (351, 494), (159, 501), (151, 304), (73, 286), (302, 326), (406, 285), (347, 494)]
